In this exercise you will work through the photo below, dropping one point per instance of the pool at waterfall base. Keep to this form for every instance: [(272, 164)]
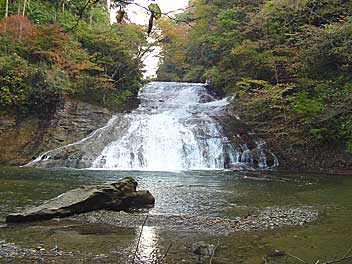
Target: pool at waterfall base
[(191, 206)]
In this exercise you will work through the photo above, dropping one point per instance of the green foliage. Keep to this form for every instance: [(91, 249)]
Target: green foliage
[(117, 100), (155, 13), (42, 12), (346, 132), (26, 88), (155, 9), (40, 64), (346, 127), (15, 75), (349, 146), (303, 104), (285, 59), (115, 51), (318, 133), (214, 75), (194, 74), (248, 86)]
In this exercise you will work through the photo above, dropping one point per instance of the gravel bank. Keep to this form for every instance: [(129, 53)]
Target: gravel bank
[(11, 251), (269, 218)]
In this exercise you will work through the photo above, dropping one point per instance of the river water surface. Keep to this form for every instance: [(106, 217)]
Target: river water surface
[(221, 194)]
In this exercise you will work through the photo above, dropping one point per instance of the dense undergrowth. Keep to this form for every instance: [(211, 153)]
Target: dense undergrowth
[(45, 55), (287, 62)]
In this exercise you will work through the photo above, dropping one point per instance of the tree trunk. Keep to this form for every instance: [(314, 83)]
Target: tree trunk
[(24, 7), (7, 8), (19, 8)]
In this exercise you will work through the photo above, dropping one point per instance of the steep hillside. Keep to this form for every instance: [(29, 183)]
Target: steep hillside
[(287, 64)]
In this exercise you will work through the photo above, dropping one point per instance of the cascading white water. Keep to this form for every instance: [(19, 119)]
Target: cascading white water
[(173, 129)]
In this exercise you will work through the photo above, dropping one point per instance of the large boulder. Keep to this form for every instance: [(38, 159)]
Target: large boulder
[(118, 196)]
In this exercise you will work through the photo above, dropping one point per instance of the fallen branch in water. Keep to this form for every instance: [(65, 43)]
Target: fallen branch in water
[(212, 255), (345, 257), (265, 261), (167, 251), (347, 252), (338, 260), (295, 257), (283, 253), (139, 238)]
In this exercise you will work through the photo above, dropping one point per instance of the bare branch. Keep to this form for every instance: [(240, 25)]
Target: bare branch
[(90, 3), (347, 252), (338, 260), (167, 251), (212, 255), (293, 256), (81, 13), (139, 238)]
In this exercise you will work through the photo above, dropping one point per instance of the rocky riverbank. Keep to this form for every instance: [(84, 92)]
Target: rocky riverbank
[(11, 251), (267, 219), (290, 141)]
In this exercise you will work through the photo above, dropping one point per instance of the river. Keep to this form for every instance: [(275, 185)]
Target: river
[(208, 194)]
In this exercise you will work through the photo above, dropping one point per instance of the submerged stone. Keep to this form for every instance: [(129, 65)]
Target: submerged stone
[(118, 196)]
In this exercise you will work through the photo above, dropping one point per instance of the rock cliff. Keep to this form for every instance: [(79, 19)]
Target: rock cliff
[(23, 140)]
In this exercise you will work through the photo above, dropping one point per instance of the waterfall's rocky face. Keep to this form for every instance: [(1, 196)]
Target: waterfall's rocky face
[(21, 140), (175, 127)]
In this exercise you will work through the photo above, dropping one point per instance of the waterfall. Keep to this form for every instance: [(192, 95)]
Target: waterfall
[(174, 128)]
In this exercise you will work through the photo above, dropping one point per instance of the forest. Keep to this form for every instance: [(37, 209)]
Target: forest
[(287, 63), (56, 49)]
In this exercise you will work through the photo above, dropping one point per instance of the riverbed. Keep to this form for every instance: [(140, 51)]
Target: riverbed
[(191, 206)]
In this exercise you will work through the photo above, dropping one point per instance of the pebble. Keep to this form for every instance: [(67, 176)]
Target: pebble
[(11, 251)]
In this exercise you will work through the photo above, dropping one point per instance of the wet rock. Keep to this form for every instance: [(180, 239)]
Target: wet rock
[(276, 253), (202, 249), (81, 154), (118, 196), (206, 98), (10, 251)]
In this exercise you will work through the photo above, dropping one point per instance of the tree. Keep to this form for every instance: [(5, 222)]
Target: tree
[(6, 8), (97, 62), (153, 9), (24, 7)]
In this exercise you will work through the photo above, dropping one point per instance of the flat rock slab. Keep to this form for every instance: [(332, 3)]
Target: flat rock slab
[(118, 196)]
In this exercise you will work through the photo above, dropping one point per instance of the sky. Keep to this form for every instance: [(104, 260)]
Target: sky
[(139, 15)]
